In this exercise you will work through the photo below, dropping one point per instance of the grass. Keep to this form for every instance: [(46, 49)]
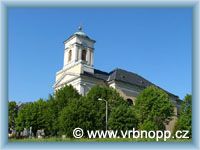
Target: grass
[(55, 139)]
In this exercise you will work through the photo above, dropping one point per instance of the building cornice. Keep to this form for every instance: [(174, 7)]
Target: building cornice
[(75, 35), (76, 43)]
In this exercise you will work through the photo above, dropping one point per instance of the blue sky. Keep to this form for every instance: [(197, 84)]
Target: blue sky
[(155, 43)]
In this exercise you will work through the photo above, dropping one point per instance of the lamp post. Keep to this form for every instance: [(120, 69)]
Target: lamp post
[(100, 99)]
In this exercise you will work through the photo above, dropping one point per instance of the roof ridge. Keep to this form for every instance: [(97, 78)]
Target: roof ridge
[(102, 71), (124, 71)]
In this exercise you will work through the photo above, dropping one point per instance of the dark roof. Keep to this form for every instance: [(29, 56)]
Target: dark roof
[(123, 76), (98, 74), (101, 74), (128, 77)]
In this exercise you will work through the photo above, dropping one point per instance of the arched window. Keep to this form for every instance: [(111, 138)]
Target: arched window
[(69, 55), (130, 102), (83, 57)]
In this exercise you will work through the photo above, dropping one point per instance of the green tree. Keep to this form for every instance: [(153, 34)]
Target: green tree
[(12, 114), (184, 122), (63, 95), (57, 102), (122, 118), (71, 117), (26, 117), (44, 118), (148, 125), (36, 115), (153, 107), (113, 99), (88, 112)]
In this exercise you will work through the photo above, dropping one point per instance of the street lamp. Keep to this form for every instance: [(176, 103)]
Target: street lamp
[(100, 99)]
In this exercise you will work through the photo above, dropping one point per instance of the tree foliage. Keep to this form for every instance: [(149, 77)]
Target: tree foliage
[(58, 101), (153, 107), (122, 118), (66, 110), (88, 112), (36, 115), (76, 114), (12, 114), (43, 114), (108, 94), (185, 120), (63, 95)]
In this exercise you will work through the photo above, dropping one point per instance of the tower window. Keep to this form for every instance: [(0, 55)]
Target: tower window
[(69, 55), (83, 57)]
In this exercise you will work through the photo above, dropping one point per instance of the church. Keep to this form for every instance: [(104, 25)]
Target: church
[(78, 70)]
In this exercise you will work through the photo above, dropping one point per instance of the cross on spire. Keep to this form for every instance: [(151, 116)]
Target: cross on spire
[(80, 28)]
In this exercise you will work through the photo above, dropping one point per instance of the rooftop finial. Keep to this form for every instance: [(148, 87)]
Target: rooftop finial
[(80, 28)]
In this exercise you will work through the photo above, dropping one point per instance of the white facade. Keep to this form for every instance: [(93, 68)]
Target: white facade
[(78, 57), (74, 48)]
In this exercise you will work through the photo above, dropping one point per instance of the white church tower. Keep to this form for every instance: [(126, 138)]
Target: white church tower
[(78, 58)]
